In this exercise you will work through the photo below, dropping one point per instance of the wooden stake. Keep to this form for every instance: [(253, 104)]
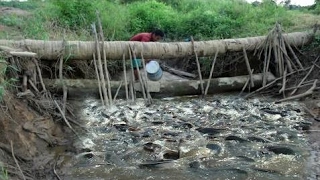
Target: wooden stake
[(146, 80), (16, 161), (133, 97), (125, 75), (117, 92), (33, 86), (304, 78), (105, 60), (64, 117), (211, 72), (139, 74), (102, 78), (198, 66), (303, 85), (246, 84), (308, 92), (98, 78), (64, 87), (284, 83), (272, 82), (40, 75), (248, 66), (294, 55), (25, 82)]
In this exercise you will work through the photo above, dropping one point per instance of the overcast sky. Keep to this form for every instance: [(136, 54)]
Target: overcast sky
[(295, 2)]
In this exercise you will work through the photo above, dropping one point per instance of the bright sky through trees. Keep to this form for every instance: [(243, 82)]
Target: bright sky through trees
[(295, 2)]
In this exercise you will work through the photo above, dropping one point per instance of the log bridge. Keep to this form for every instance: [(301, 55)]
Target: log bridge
[(120, 50)]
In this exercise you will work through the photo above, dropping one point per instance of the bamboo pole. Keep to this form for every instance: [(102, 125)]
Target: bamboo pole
[(133, 97), (272, 82), (211, 72), (105, 60), (98, 78), (248, 66), (125, 76), (308, 92), (303, 79), (198, 66), (247, 82), (284, 80), (139, 74), (117, 92), (146, 80), (102, 78), (65, 92)]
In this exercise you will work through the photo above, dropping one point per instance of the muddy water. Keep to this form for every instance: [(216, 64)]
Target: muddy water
[(221, 137)]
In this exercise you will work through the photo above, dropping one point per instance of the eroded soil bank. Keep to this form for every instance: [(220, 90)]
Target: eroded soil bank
[(28, 140)]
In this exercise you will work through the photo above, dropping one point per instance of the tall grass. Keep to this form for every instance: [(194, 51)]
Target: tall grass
[(202, 19), (3, 173)]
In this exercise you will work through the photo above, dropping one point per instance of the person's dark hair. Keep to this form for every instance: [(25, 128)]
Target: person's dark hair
[(158, 32)]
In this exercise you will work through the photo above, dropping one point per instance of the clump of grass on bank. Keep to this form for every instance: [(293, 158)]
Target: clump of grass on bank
[(3, 173)]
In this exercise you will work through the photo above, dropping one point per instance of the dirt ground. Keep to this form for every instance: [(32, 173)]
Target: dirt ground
[(28, 140)]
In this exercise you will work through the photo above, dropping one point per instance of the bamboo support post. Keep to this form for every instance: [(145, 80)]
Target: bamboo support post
[(39, 74), (64, 88), (248, 66), (266, 62), (64, 117), (139, 74), (303, 85), (198, 66), (267, 65), (211, 72), (125, 75), (287, 60), (133, 97), (102, 78), (308, 92), (98, 79), (294, 55), (104, 59), (272, 82), (282, 90), (117, 92), (303, 79), (146, 80), (25, 82), (33, 86), (16, 161), (246, 84)]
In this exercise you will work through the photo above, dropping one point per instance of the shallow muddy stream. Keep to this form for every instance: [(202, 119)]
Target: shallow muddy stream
[(220, 137)]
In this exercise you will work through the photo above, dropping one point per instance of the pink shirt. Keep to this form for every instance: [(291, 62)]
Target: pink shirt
[(143, 37)]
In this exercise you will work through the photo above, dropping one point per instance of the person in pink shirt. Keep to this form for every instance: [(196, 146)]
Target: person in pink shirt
[(153, 36)]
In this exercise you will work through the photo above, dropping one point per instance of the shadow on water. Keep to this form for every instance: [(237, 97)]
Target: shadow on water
[(221, 137)]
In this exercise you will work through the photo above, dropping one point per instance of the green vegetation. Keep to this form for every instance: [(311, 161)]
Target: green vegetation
[(5, 84), (180, 19), (3, 173)]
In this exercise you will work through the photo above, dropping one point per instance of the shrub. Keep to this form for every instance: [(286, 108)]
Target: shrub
[(146, 16), (75, 14), (115, 20)]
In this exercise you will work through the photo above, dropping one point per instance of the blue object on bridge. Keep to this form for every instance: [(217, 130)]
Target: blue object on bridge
[(154, 71)]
